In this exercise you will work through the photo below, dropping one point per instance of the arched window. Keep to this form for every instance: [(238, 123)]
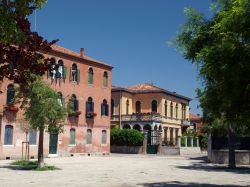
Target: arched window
[(75, 73), (104, 137), (10, 95), (171, 109), (138, 107), (53, 69), (137, 127), (72, 136), (89, 136), (166, 108), (32, 137), (8, 135), (60, 99), (105, 79), (75, 103), (90, 105), (90, 76), (154, 106), (112, 106), (104, 108), (126, 126), (127, 107), (176, 111), (61, 71)]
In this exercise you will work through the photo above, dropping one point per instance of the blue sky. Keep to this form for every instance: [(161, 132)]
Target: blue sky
[(130, 35)]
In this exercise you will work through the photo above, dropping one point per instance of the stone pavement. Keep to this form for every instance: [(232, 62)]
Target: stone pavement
[(125, 171)]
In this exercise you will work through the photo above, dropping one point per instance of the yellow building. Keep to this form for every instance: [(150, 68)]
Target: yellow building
[(146, 107)]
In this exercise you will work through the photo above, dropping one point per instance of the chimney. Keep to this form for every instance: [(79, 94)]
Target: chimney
[(82, 52)]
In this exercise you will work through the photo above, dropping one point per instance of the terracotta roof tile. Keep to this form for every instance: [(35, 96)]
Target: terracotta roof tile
[(73, 53)]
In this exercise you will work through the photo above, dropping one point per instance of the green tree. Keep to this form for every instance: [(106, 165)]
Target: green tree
[(44, 112), (220, 47), (21, 50)]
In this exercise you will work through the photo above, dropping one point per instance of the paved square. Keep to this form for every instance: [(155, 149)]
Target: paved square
[(125, 171)]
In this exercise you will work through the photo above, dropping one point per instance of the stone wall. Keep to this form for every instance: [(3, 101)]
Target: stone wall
[(126, 149), (242, 157), (167, 150), (190, 150)]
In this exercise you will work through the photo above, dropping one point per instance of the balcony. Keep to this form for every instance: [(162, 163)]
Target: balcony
[(185, 123), (137, 117)]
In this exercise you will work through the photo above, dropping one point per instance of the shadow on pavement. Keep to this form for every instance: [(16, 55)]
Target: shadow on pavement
[(177, 184), (21, 168), (215, 168)]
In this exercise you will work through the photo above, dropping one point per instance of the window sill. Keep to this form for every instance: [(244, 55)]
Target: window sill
[(8, 145), (104, 145), (105, 116), (72, 145), (35, 145), (88, 144)]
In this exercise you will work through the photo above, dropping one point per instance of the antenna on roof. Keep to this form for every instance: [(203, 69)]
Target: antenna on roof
[(35, 20)]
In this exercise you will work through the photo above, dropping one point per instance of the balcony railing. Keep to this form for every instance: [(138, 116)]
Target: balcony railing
[(137, 117)]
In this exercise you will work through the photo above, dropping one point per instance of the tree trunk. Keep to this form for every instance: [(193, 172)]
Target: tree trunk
[(231, 142), (40, 148)]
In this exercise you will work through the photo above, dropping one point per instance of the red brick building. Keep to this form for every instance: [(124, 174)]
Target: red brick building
[(88, 83), (196, 123)]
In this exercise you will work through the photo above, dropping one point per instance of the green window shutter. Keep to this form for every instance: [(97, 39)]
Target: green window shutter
[(104, 137), (64, 73), (78, 76), (89, 137), (10, 96), (105, 81), (71, 77), (72, 136), (63, 101)]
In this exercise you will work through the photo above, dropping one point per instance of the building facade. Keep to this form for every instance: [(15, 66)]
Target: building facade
[(78, 79), (146, 107), (196, 123)]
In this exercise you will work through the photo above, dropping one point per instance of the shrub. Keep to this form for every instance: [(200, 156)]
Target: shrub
[(128, 137)]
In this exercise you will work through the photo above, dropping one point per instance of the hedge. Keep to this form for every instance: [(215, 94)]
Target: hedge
[(126, 137)]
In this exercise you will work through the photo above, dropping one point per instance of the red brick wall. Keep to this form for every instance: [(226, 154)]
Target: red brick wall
[(67, 88)]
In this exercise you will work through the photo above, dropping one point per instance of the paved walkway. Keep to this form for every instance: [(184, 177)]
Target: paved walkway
[(125, 171)]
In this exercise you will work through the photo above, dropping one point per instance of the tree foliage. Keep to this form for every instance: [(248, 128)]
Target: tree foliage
[(20, 48), (220, 47), (44, 109), (44, 112)]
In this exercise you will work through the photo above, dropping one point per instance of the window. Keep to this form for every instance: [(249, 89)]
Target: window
[(8, 135), (61, 71), (127, 107), (171, 109), (104, 137), (154, 106), (105, 79), (112, 106), (53, 69), (60, 99), (166, 108), (72, 136), (90, 76), (32, 137), (104, 108), (75, 103), (89, 136), (138, 107), (90, 105), (75, 73), (176, 111), (183, 111), (10, 95)]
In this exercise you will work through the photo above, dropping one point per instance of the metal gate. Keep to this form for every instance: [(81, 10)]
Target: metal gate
[(152, 142)]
